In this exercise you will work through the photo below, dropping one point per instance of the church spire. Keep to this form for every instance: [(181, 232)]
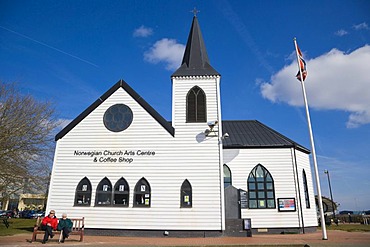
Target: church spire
[(195, 61)]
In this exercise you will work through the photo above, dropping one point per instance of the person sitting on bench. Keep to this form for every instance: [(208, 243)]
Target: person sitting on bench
[(65, 226), (48, 224)]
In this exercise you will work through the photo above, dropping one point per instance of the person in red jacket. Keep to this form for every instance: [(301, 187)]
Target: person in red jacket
[(48, 224)]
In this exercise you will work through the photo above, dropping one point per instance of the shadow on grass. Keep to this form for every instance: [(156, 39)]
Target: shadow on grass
[(28, 229)]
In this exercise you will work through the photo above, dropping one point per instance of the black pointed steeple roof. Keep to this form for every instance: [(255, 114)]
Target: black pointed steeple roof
[(195, 61)]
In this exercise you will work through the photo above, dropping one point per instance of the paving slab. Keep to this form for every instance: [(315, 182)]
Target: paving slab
[(335, 238)]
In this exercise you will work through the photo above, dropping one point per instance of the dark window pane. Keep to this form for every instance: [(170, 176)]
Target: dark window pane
[(227, 176), (306, 193), (252, 186), (252, 203), (196, 105), (261, 186), (269, 186), (118, 117), (121, 199), (270, 194), (104, 198), (252, 195), (271, 203), (261, 195)]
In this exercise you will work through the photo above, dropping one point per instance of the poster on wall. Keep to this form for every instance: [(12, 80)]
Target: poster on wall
[(243, 198), (286, 204)]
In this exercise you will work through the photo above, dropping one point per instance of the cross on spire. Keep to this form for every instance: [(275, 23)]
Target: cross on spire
[(195, 11)]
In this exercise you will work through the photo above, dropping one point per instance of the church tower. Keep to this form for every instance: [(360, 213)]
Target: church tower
[(196, 91), (196, 116)]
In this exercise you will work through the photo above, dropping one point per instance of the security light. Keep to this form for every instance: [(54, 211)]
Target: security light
[(212, 124)]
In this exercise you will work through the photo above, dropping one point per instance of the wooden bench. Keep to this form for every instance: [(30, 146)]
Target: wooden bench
[(77, 229)]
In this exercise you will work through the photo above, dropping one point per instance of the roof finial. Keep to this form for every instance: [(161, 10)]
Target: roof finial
[(195, 11)]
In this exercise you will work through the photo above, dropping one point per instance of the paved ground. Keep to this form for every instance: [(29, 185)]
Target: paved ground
[(335, 238)]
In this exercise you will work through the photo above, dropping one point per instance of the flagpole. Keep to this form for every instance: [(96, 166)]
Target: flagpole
[(322, 219)]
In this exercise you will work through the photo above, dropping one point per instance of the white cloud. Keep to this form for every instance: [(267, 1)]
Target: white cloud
[(143, 32), (167, 51), (335, 81), (341, 32), (62, 123), (361, 26)]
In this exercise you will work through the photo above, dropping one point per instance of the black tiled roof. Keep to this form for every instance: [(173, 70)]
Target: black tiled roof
[(195, 61), (254, 134)]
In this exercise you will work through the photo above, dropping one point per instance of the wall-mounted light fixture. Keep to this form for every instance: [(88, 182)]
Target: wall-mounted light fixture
[(224, 136), (210, 130)]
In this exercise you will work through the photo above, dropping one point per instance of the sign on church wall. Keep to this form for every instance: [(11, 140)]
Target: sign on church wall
[(117, 156)]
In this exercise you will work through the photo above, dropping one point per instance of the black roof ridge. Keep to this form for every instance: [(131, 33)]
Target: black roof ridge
[(120, 84)]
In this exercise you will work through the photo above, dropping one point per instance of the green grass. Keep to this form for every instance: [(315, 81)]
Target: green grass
[(353, 227), (17, 226)]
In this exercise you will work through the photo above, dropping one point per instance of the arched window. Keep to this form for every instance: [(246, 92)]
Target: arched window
[(121, 193), (104, 193), (261, 192), (196, 105), (227, 176), (306, 195), (142, 193), (83, 193), (186, 195)]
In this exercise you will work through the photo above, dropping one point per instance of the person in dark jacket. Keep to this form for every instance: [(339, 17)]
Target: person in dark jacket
[(48, 224), (65, 225)]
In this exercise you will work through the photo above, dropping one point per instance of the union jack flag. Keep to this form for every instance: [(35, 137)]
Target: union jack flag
[(302, 66)]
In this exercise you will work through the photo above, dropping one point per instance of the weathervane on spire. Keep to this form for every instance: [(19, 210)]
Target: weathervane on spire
[(195, 11)]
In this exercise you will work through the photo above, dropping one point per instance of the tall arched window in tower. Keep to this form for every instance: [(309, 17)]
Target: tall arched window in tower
[(104, 193), (306, 195), (261, 192), (196, 105), (142, 193), (227, 176), (83, 193), (121, 193), (186, 195)]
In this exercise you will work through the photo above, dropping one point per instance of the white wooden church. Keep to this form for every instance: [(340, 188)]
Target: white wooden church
[(129, 171)]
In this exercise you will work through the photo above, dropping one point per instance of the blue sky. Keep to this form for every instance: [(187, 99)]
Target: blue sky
[(71, 52)]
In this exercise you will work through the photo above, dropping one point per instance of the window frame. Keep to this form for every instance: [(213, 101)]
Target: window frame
[(79, 191), (186, 190), (261, 189), (229, 171), (139, 191), (115, 111), (197, 92), (125, 193), (104, 193), (305, 188)]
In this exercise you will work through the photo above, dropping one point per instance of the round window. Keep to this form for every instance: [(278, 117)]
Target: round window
[(118, 117)]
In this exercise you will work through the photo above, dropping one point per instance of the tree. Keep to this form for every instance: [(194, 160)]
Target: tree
[(26, 142)]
